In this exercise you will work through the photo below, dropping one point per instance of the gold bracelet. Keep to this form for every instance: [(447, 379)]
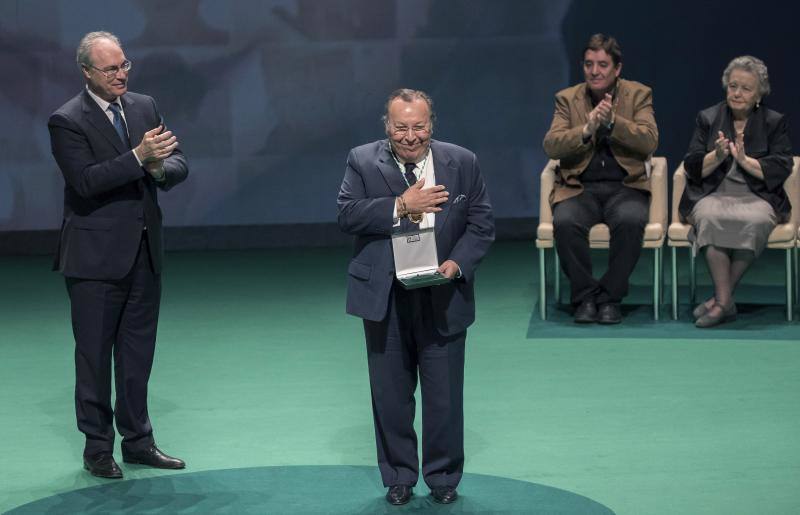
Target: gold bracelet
[(402, 211)]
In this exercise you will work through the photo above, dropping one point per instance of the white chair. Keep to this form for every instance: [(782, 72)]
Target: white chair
[(783, 236), (599, 235)]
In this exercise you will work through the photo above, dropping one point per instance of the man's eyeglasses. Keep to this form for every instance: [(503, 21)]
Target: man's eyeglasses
[(419, 130), (112, 71)]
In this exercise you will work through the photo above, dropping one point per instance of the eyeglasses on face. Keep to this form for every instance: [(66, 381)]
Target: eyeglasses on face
[(417, 129), (111, 71)]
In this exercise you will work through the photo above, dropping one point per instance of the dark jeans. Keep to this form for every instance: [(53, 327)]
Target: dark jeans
[(400, 348), (625, 211), (119, 319)]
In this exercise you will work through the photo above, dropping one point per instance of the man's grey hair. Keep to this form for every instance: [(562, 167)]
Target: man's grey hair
[(750, 64), (87, 42), (408, 95)]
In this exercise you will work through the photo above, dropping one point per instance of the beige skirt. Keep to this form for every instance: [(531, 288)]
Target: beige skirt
[(732, 217)]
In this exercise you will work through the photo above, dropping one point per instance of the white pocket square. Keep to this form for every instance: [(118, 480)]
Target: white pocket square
[(459, 198)]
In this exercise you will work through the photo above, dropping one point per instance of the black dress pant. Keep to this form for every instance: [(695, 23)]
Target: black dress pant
[(399, 348), (625, 210), (116, 318)]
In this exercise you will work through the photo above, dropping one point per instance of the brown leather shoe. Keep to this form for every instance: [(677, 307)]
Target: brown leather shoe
[(102, 465), (152, 457), (399, 494)]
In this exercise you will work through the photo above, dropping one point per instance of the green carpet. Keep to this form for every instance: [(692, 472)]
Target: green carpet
[(332, 489), (760, 304), (754, 321), (257, 366)]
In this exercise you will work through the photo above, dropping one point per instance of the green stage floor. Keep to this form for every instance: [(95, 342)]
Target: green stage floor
[(260, 384)]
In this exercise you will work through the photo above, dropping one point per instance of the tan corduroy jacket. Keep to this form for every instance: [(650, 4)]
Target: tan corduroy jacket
[(634, 136)]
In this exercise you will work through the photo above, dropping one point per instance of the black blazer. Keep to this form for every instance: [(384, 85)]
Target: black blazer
[(108, 198), (766, 138)]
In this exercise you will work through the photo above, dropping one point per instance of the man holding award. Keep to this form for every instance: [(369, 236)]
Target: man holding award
[(422, 222)]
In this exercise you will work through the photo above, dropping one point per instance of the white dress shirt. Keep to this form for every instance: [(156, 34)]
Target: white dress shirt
[(424, 169)]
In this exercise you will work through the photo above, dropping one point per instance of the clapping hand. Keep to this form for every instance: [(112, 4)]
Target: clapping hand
[(602, 114), (722, 147), (155, 145), (737, 149)]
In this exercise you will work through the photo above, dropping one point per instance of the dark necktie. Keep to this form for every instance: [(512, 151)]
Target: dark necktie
[(410, 177), (119, 124)]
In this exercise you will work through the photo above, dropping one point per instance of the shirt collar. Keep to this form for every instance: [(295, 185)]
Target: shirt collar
[(102, 103), (401, 163)]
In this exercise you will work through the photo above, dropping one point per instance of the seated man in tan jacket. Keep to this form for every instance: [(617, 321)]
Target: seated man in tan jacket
[(603, 131)]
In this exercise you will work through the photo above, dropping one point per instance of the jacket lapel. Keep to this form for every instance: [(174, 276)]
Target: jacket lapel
[(98, 119), (446, 173), (725, 125), (583, 106), (755, 133), (388, 168), (136, 128)]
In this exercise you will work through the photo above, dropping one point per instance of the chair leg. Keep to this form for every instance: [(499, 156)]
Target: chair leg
[(656, 285), (789, 286), (556, 276), (674, 284), (692, 279), (661, 277), (542, 286), (796, 252)]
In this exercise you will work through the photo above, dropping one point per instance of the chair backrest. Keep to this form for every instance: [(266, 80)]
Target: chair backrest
[(599, 234), (792, 187), (658, 191), (546, 183), (678, 185)]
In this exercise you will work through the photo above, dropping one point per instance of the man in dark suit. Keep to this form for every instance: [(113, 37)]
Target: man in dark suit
[(389, 185), (114, 153)]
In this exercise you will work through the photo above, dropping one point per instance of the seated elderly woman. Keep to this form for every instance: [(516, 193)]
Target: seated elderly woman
[(737, 162)]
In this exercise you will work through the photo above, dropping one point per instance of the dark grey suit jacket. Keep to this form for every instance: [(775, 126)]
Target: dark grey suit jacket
[(108, 197), (464, 230)]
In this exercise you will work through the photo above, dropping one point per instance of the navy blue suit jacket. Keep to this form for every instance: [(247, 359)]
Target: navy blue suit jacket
[(464, 230), (108, 197)]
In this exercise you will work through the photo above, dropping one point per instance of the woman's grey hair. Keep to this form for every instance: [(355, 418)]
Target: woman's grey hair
[(88, 41), (408, 95), (750, 64)]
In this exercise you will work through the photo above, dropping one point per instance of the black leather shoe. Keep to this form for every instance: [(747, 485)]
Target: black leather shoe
[(102, 465), (399, 494), (609, 313), (586, 312), (152, 457), (444, 494)]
